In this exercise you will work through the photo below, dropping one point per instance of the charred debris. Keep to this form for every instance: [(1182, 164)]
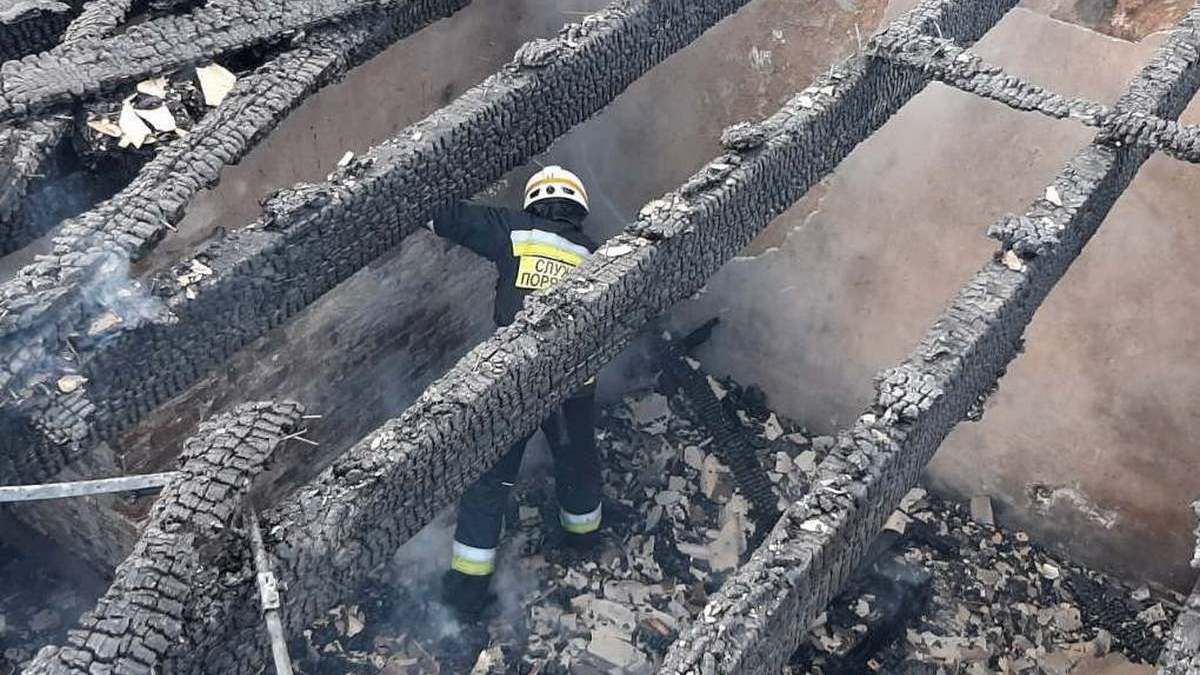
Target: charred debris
[(738, 541)]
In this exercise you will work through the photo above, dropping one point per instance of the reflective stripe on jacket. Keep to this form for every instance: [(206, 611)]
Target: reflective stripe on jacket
[(530, 253)]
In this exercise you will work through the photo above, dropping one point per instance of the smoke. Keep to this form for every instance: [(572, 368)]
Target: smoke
[(110, 303), (418, 567), (112, 289)]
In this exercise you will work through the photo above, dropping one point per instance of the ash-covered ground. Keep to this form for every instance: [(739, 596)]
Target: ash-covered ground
[(940, 592), (943, 591)]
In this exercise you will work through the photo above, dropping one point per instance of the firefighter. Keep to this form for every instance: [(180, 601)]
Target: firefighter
[(533, 250)]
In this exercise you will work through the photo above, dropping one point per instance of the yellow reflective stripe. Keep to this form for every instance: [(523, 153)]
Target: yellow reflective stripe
[(583, 528), (580, 523), (471, 567), (541, 250), (560, 180)]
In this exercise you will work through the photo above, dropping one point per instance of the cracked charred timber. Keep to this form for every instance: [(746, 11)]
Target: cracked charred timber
[(30, 26), (960, 68), (731, 440), (310, 238), (1181, 653), (169, 587), (327, 535), (140, 215), (89, 67), (759, 617)]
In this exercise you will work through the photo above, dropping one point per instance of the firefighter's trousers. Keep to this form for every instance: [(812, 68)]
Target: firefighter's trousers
[(571, 436)]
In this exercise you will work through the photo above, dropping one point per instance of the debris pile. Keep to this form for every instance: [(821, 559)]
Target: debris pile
[(157, 111), (676, 526), (942, 591), (988, 601)]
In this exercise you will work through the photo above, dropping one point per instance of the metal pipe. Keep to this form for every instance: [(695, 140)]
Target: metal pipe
[(86, 488), (268, 592)]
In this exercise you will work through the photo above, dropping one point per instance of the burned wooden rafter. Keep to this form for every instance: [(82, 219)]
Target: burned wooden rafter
[(191, 561), (764, 610), (137, 217), (89, 67), (958, 67), (136, 349), (731, 440), (98, 19)]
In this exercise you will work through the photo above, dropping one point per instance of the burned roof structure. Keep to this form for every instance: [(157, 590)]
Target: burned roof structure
[(89, 348)]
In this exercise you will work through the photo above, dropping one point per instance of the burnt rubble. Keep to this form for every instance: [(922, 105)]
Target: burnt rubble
[(943, 592)]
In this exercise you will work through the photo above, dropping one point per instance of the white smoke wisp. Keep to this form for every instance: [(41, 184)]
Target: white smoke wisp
[(418, 567)]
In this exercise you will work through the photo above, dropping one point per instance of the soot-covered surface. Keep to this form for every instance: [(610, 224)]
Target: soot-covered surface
[(940, 594)]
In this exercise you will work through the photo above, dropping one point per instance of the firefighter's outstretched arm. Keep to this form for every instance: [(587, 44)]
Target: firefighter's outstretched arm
[(483, 229)]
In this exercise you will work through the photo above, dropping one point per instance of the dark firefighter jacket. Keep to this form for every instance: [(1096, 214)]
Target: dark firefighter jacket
[(531, 253)]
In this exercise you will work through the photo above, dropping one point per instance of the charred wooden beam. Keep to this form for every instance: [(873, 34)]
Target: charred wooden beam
[(31, 26), (188, 559), (89, 67), (964, 70), (763, 610), (137, 349), (98, 19)]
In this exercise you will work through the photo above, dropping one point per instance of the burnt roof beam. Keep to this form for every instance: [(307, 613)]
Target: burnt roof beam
[(762, 612)]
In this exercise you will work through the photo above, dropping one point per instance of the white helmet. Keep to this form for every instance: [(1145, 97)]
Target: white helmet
[(555, 182)]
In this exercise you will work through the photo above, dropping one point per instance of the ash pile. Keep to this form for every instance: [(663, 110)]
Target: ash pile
[(942, 591)]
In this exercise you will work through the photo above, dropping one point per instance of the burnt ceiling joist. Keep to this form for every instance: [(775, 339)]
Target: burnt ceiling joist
[(762, 612), (90, 67), (135, 354)]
